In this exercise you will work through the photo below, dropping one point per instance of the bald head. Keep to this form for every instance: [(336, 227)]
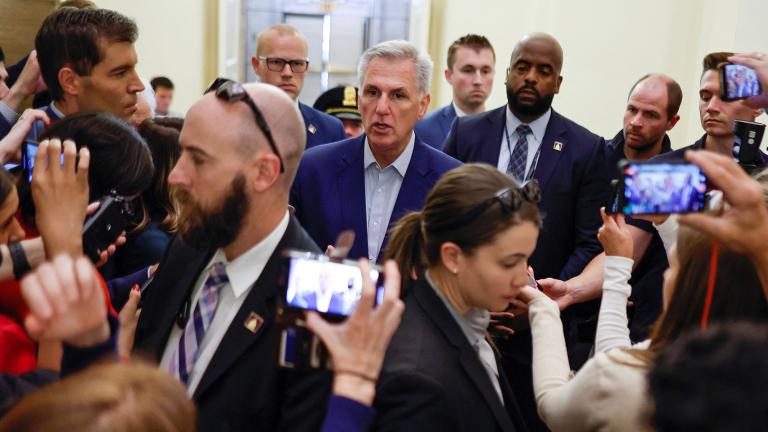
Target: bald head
[(664, 87), (285, 122), (541, 44), (278, 31)]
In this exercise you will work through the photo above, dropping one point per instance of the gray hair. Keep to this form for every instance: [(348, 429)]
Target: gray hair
[(399, 49)]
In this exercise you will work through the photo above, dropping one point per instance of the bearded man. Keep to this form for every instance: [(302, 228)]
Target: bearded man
[(209, 314), (529, 140)]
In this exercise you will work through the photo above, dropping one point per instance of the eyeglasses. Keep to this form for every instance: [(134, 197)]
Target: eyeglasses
[(276, 64), (232, 91), (510, 199)]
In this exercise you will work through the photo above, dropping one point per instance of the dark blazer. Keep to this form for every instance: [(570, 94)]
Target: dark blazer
[(434, 128), (242, 388), (433, 380), (329, 190), (320, 127), (574, 182)]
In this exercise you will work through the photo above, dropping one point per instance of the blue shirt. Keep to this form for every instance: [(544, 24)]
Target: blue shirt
[(382, 185)]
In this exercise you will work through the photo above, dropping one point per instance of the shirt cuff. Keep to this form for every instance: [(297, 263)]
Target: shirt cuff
[(8, 114), (347, 415)]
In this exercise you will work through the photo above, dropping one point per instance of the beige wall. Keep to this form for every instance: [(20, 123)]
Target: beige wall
[(608, 44), (174, 40)]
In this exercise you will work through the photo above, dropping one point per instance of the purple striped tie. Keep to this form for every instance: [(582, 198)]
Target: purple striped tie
[(186, 353)]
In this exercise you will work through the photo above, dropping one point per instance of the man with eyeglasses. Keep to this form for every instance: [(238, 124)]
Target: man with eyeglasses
[(209, 314), (281, 60), (369, 182)]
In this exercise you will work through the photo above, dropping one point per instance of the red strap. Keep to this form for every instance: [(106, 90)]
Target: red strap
[(710, 284)]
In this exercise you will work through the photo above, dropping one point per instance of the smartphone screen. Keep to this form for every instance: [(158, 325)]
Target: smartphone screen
[(326, 286), (662, 188), (739, 82)]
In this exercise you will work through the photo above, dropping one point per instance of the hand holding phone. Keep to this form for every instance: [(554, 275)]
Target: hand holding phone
[(105, 226)]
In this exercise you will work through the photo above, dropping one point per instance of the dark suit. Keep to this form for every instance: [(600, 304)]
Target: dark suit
[(574, 182), (434, 128), (433, 380), (320, 127), (242, 387), (329, 190)]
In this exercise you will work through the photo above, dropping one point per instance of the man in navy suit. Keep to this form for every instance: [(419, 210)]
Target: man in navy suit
[(471, 66), (367, 183), (528, 140), (88, 62), (281, 60)]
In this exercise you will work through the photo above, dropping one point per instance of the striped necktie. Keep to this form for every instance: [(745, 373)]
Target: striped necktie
[(519, 156), (187, 351)]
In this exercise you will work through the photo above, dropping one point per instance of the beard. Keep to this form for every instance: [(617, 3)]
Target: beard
[(206, 229), (542, 104)]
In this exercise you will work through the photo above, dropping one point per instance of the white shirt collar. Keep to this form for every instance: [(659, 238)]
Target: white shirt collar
[(538, 126), (56, 110), (459, 112), (245, 269), (400, 164)]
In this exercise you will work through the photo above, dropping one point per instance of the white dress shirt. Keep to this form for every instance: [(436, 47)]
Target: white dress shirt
[(242, 272), (538, 129), (459, 112), (382, 185)]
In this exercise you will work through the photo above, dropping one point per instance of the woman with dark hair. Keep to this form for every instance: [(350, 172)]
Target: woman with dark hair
[(462, 256), (159, 209), (610, 391)]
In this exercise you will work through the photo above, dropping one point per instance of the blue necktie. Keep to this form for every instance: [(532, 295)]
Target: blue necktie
[(187, 352), (519, 155)]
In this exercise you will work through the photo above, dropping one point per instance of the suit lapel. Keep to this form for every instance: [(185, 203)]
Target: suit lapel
[(310, 126), (550, 151), (469, 359), (261, 301), (446, 118), (173, 299), (350, 183), (490, 144)]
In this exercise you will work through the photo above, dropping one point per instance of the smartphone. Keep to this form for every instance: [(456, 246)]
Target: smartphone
[(612, 206), (738, 82), (661, 188), (29, 149), (747, 139), (104, 227), (333, 288)]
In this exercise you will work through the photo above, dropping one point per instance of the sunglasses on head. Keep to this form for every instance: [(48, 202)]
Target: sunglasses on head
[(510, 199), (232, 91)]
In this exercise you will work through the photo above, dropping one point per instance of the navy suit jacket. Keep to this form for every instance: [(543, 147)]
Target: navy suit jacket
[(434, 128), (329, 190), (320, 127), (574, 182)]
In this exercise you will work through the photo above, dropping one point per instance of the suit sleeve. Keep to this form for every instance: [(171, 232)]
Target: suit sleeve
[(411, 402), (450, 145), (593, 193)]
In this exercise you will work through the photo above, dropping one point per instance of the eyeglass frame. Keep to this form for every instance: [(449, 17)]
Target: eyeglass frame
[(236, 93), (529, 191), (290, 63)]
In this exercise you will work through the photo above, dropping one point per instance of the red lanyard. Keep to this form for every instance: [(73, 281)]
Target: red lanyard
[(710, 284)]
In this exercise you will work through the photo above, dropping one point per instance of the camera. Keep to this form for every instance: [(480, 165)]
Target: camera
[(746, 146)]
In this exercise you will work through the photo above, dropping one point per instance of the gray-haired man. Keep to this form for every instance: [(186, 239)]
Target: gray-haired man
[(367, 183)]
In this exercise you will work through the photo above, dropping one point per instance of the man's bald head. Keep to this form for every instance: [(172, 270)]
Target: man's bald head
[(542, 44), (674, 94), (278, 30)]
